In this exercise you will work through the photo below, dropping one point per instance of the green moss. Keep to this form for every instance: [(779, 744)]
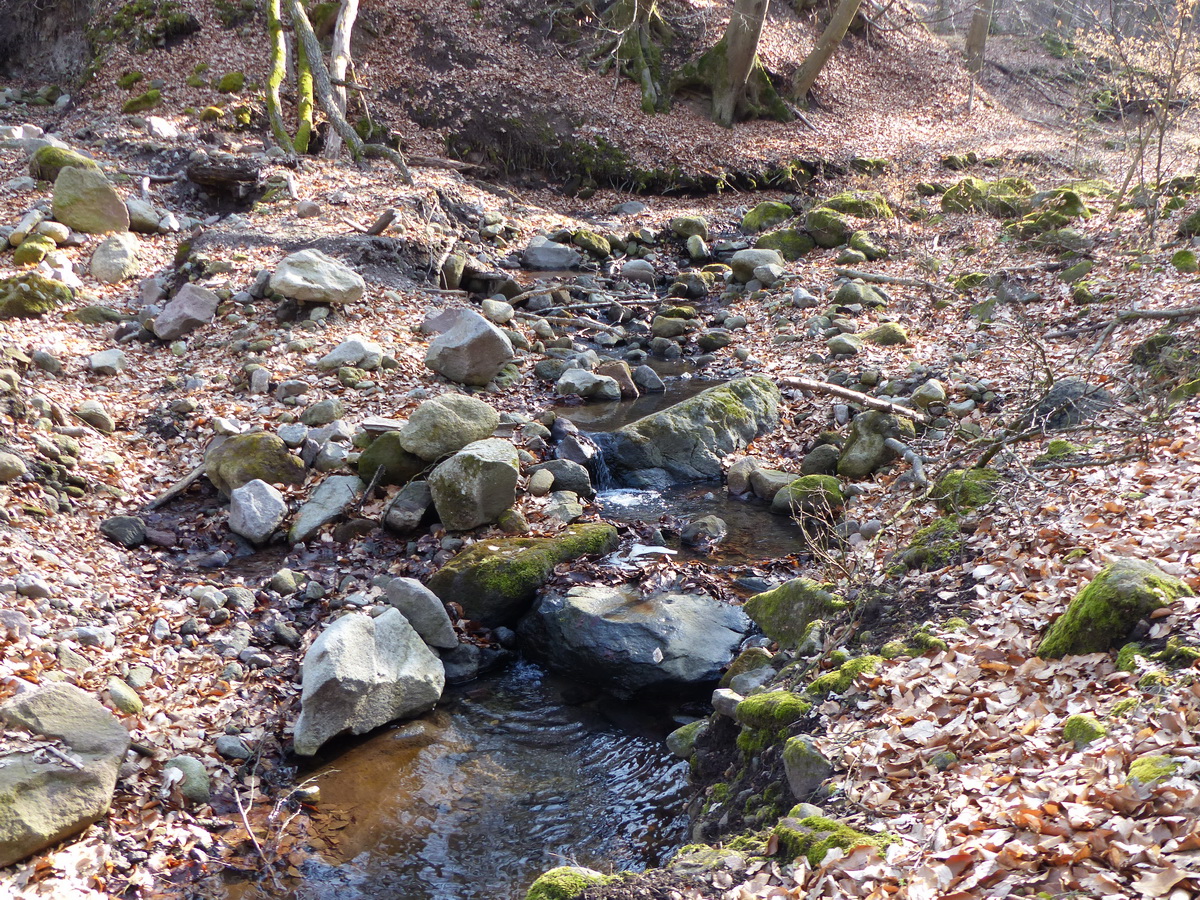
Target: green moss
[(1128, 656), (808, 496), (1082, 730), (231, 82), (749, 660), (766, 215), (863, 204), (934, 546), (399, 466), (861, 241), (31, 295), (682, 741), (970, 281), (1178, 653), (923, 641), (719, 792), (790, 243), (1150, 770), (839, 680), (750, 844), (753, 741), (1105, 611), (129, 79), (143, 102), (1077, 272), (956, 623), (962, 490), (772, 710), (1005, 197), (828, 227), (889, 334), (1124, 707), (786, 613), (1058, 449), (814, 836), (47, 162), (211, 114), (33, 250), (892, 649), (564, 883)]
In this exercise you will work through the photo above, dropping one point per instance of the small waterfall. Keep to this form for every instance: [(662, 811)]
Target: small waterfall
[(602, 476), (585, 448)]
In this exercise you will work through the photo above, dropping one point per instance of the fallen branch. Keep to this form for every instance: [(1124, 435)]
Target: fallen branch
[(438, 162), (571, 322), (911, 457), (177, 488), (874, 278), (1128, 315), (824, 387)]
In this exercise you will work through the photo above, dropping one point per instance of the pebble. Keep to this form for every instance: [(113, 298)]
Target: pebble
[(230, 746), (33, 586)]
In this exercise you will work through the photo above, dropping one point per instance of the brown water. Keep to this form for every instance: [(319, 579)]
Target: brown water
[(512, 775)]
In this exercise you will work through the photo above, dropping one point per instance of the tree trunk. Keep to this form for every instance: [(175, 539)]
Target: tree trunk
[(741, 51), (839, 23), (304, 98), (981, 22), (278, 70), (339, 65)]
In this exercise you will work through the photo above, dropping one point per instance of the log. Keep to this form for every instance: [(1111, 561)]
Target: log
[(177, 488), (836, 390)]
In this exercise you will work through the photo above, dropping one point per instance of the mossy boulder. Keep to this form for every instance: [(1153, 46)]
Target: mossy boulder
[(495, 581), (863, 243), (682, 741), (889, 334), (772, 710), (805, 767), (866, 450), (786, 613), (142, 102), (241, 458), (790, 243), (689, 226), (863, 204), (828, 227), (85, 201), (399, 466), (33, 250), (231, 82), (841, 679), (1103, 614), (749, 660), (1082, 729), (962, 490), (129, 79), (31, 296), (1185, 261), (934, 546), (766, 215), (47, 162), (1004, 198), (810, 496), (211, 114), (595, 244), (1150, 770), (814, 836), (565, 883)]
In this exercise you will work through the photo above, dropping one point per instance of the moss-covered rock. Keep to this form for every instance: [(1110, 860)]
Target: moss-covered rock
[(687, 226), (862, 242), (766, 215), (231, 82), (814, 836), (47, 162), (749, 660), (85, 201), (787, 613), (595, 244), (241, 458), (682, 741), (934, 546), (142, 102), (889, 334), (962, 490), (495, 581), (790, 243), (810, 496), (33, 250), (866, 450), (839, 680), (1150, 770), (1185, 261), (772, 710), (1004, 198), (129, 79), (1082, 729), (828, 227), (211, 114), (863, 204), (564, 883), (31, 295), (805, 767), (399, 466), (1104, 613)]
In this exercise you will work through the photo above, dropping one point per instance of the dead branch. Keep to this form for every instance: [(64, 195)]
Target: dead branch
[(836, 390), (874, 278), (177, 488), (571, 322), (1128, 315)]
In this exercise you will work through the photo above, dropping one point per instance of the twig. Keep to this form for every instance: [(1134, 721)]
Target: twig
[(824, 387), (177, 488), (370, 490), (874, 278), (1128, 315), (572, 322), (54, 751), (155, 179), (438, 162)]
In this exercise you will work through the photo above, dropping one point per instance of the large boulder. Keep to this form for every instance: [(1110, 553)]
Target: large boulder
[(471, 352), (190, 308), (495, 581), (48, 161), (446, 424), (866, 450), (310, 276), (786, 613), (241, 458), (766, 215), (475, 485), (1104, 613), (630, 644), (85, 201), (256, 510), (328, 503), (363, 672), (386, 452), (1070, 402), (744, 262), (545, 254), (31, 296), (688, 440), (115, 259), (42, 800)]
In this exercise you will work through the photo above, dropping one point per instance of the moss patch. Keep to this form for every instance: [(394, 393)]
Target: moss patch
[(766, 215), (772, 710), (790, 243), (1081, 730), (863, 204), (564, 883), (786, 613), (810, 496), (31, 295), (961, 490), (839, 680), (814, 836), (934, 546), (1150, 770), (47, 162), (143, 102), (231, 82)]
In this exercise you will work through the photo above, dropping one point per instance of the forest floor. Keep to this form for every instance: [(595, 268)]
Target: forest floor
[(1022, 813)]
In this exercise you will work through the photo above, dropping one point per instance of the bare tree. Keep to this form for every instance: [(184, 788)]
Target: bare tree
[(339, 66), (839, 24), (981, 22)]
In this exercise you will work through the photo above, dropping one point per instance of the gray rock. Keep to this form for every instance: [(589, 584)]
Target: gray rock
[(351, 352), (161, 129), (192, 781), (565, 475), (475, 485), (408, 508), (322, 412), (704, 531), (327, 504), (471, 352), (256, 510), (630, 643), (12, 467), (94, 413), (744, 262), (932, 391), (446, 424), (190, 308), (844, 344), (424, 611), (865, 450), (293, 434), (639, 270), (587, 385), (31, 585), (805, 767), (564, 506), (307, 209), (543, 253), (648, 381), (310, 276), (143, 217), (498, 311), (363, 672), (1071, 402), (128, 531), (821, 460), (85, 201), (47, 361), (123, 697), (542, 482), (45, 802), (107, 362), (235, 460), (115, 259), (230, 746)]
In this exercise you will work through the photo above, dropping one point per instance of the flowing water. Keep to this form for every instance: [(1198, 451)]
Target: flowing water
[(512, 775)]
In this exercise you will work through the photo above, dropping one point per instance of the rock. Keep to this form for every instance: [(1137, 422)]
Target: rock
[(242, 458), (143, 217), (697, 250), (632, 644), (844, 344), (409, 508), (363, 672), (123, 697), (889, 334), (587, 385), (115, 259), (309, 276), (565, 475), (475, 485), (128, 531), (498, 311), (30, 296), (473, 351), (190, 308), (192, 781), (107, 362), (766, 483), (446, 424), (1103, 614), (33, 250), (85, 201), (786, 613), (689, 439), (629, 208), (355, 351), (1071, 402), (540, 482), (639, 270), (564, 506), (47, 162), (828, 227), (256, 510), (495, 581), (543, 253), (424, 611), (791, 243), (45, 802), (817, 496), (804, 766), (399, 466), (744, 263), (327, 504), (648, 380), (323, 412), (821, 460), (687, 226), (766, 215), (865, 450), (932, 391), (308, 209), (12, 467), (705, 531), (230, 746)]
